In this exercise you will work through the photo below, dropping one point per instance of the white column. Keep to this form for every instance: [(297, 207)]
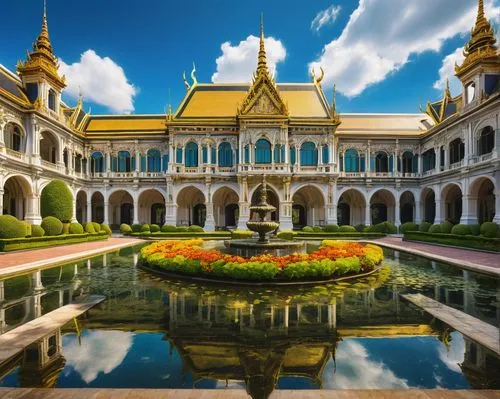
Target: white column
[(1, 201), (89, 209), (138, 162), (437, 152), (469, 210), (108, 162), (496, 218), (397, 213), (136, 210), (73, 216), (106, 212), (368, 221), (420, 165), (439, 217), (417, 214)]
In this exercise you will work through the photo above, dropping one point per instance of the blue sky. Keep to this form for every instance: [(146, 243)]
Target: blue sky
[(384, 55)]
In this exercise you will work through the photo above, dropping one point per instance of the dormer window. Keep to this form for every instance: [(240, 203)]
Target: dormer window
[(471, 92), (52, 100)]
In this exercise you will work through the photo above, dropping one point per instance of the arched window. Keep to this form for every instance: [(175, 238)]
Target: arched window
[(351, 160), (178, 155), (428, 160), (308, 154), (409, 162), (52, 100), (154, 161), (13, 137), (225, 155), (97, 163), (486, 141), (457, 151), (191, 155), (381, 162), (124, 163), (262, 151)]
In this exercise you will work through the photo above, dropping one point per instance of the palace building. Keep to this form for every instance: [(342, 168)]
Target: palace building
[(203, 163)]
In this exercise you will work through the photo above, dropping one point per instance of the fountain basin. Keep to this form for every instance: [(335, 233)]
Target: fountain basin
[(277, 247)]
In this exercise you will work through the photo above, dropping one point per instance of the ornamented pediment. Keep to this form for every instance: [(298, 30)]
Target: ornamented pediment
[(263, 103)]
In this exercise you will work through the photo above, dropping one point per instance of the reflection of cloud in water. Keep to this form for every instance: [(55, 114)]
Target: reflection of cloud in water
[(231, 384), (455, 352), (100, 351), (356, 370)]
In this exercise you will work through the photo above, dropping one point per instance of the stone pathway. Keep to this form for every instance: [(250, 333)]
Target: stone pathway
[(477, 330), (93, 393), (474, 260), (15, 262), (14, 341)]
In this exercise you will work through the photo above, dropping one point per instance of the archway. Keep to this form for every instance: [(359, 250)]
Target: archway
[(152, 207), (272, 198), (97, 205), (382, 205), (121, 208), (81, 207), (483, 192), (351, 208), (451, 199), (16, 190), (429, 203), (191, 207), (407, 207), (226, 209), (48, 147), (311, 200)]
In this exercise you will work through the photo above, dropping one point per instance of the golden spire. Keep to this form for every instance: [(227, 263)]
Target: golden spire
[(262, 60), (43, 41), (447, 92)]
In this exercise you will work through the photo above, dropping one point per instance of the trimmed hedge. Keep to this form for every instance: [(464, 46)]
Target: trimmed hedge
[(287, 235), (317, 229), (182, 235), (475, 229), (196, 229), (331, 228), (467, 241), (182, 229), (106, 229), (241, 234), (435, 228), (16, 244), (97, 227), (125, 228), (461, 230), (307, 229), (168, 228), (446, 227), (136, 228), (424, 227), (408, 226), (75, 228), (52, 226), (28, 229), (338, 235), (154, 228), (89, 228), (37, 231), (57, 201), (11, 227), (347, 229), (489, 229), (145, 228)]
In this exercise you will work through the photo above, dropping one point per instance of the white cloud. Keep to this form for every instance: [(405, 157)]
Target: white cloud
[(447, 71), (324, 17), (381, 35), (454, 354), (99, 352), (238, 63), (101, 80)]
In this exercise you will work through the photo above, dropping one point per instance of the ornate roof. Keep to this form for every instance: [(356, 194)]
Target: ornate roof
[(124, 126), (11, 87), (444, 108)]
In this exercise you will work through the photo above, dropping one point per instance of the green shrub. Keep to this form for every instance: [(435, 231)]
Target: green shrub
[(460, 230), (386, 227), (424, 227), (196, 229), (446, 227), (347, 229), (360, 228), (154, 228), (168, 228), (125, 228), (286, 235), (182, 229), (97, 227), (28, 229), (37, 231), (52, 226), (331, 228), (65, 229), (370, 229), (475, 229), (106, 229), (408, 226), (76, 228), (15, 244), (435, 228), (489, 229), (136, 228), (468, 241), (317, 229), (307, 229), (241, 234), (145, 228), (57, 201), (11, 227), (89, 228)]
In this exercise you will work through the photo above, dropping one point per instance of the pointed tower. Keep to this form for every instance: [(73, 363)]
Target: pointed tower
[(263, 98), (480, 71), (39, 72)]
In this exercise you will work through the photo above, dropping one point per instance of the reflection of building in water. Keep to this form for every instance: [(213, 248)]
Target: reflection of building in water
[(480, 366)]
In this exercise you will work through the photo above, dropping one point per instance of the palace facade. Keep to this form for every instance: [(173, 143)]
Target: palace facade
[(203, 163)]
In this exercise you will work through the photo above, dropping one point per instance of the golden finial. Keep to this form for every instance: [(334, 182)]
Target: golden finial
[(193, 76), (188, 86), (80, 96), (447, 92), (169, 115), (262, 60), (314, 78)]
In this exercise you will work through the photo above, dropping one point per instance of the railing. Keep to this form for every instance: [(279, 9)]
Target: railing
[(456, 165), (352, 174), (15, 154), (429, 172), (485, 157), (49, 165)]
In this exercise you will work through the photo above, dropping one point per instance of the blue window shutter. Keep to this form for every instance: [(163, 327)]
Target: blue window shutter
[(372, 163), (326, 154), (391, 163), (263, 151), (415, 164), (363, 163), (204, 153), (342, 163), (214, 157), (247, 154), (178, 155), (293, 155), (276, 154), (165, 162), (133, 163), (143, 163), (282, 153), (114, 164)]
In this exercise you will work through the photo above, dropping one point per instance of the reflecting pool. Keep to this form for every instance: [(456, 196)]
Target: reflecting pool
[(157, 333)]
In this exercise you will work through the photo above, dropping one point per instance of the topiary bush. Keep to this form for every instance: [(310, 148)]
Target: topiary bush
[(307, 229), (241, 234), (136, 228), (408, 226), (489, 229), (347, 229), (125, 228), (28, 229), (154, 228), (57, 201), (11, 227), (52, 226), (424, 227), (196, 229), (106, 229), (435, 228), (360, 228), (168, 228), (460, 230), (331, 228), (89, 228), (181, 229), (145, 228), (286, 235), (475, 229), (318, 229), (76, 228), (97, 227), (446, 227), (37, 231)]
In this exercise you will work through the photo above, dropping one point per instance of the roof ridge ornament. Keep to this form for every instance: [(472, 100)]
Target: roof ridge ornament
[(193, 76), (186, 83), (317, 80)]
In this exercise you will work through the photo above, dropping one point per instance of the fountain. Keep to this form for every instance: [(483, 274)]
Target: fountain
[(264, 245)]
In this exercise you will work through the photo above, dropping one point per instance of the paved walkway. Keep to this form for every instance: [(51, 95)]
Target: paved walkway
[(467, 259), (14, 262)]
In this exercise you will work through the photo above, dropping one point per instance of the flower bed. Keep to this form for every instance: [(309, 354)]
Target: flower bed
[(333, 259)]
